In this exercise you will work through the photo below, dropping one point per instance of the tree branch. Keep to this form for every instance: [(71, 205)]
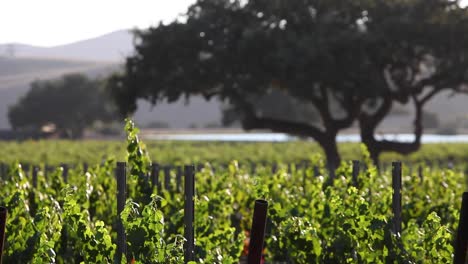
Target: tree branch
[(250, 121), (403, 147), (322, 105), (283, 126), (428, 96), (368, 122), (353, 108)]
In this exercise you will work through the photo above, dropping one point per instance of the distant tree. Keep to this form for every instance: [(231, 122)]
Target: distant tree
[(349, 60), (70, 104)]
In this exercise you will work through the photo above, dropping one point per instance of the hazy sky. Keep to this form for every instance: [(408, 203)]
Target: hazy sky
[(55, 22)]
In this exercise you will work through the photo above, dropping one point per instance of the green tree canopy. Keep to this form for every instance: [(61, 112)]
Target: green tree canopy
[(350, 60), (70, 103)]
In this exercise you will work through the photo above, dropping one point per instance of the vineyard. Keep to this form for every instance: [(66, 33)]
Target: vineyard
[(69, 213)]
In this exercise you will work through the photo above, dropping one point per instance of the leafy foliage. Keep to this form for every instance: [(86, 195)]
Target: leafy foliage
[(310, 220), (343, 62)]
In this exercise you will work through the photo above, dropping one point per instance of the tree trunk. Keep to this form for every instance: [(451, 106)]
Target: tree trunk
[(372, 146), (369, 123), (330, 149), (325, 138)]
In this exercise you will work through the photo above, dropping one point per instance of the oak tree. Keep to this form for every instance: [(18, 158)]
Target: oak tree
[(349, 60), (70, 104)]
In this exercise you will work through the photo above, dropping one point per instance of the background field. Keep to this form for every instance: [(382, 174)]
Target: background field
[(55, 152)]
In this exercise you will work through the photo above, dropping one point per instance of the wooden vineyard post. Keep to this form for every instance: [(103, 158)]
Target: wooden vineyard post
[(316, 171), (274, 168), (420, 173), (46, 172), (167, 177), (253, 167), (3, 170), (304, 179), (396, 198), (121, 175), (3, 218), (189, 213), (25, 167), (65, 240), (355, 173), (257, 233), (155, 176), (65, 172), (32, 201), (35, 170), (178, 178), (85, 167), (461, 239)]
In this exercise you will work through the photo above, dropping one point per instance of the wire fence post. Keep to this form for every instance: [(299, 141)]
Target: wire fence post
[(189, 213), (257, 233), (461, 239), (121, 174), (396, 198)]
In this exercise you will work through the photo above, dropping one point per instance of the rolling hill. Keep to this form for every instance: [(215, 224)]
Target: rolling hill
[(109, 47), (94, 57)]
